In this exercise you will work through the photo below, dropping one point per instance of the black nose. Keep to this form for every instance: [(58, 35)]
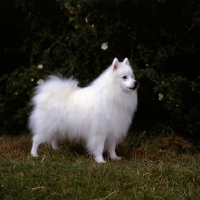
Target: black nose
[(136, 84)]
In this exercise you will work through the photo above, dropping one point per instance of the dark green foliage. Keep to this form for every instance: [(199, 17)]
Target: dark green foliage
[(161, 39)]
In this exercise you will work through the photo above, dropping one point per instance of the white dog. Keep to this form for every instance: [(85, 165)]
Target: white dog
[(99, 114)]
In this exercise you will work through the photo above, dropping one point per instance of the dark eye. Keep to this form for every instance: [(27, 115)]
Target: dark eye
[(124, 77)]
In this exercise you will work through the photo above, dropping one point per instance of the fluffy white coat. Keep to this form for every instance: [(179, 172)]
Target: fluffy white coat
[(99, 114)]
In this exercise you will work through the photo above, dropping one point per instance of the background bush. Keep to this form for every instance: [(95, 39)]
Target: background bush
[(160, 38)]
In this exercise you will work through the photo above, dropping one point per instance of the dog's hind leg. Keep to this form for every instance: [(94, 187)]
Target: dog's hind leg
[(36, 142)]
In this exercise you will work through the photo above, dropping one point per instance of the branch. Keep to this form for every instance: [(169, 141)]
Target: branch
[(47, 50), (176, 44)]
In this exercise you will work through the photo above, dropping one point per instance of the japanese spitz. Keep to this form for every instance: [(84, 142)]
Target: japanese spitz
[(99, 114)]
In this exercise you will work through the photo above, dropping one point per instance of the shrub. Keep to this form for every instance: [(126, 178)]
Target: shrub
[(160, 38)]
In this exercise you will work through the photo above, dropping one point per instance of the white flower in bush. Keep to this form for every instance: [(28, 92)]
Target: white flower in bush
[(32, 79), (104, 46), (40, 66), (40, 81), (160, 96)]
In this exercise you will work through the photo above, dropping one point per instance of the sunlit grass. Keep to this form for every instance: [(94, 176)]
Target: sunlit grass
[(152, 168)]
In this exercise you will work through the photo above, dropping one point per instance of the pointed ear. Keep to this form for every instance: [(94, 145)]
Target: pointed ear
[(126, 62), (115, 64)]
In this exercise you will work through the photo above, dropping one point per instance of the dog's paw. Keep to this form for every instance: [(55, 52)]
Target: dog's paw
[(99, 159), (34, 155), (116, 158), (103, 161)]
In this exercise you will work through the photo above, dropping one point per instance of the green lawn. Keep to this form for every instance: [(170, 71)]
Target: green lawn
[(152, 168)]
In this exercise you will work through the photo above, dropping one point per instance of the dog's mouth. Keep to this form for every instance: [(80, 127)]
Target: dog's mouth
[(135, 86), (132, 88)]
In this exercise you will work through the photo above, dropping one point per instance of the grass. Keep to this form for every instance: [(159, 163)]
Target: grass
[(152, 168)]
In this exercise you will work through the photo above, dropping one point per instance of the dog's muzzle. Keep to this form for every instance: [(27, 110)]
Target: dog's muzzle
[(136, 83)]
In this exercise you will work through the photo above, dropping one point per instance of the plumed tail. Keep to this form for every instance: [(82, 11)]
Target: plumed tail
[(53, 86)]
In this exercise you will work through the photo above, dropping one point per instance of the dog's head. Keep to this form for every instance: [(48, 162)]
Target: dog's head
[(124, 75)]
